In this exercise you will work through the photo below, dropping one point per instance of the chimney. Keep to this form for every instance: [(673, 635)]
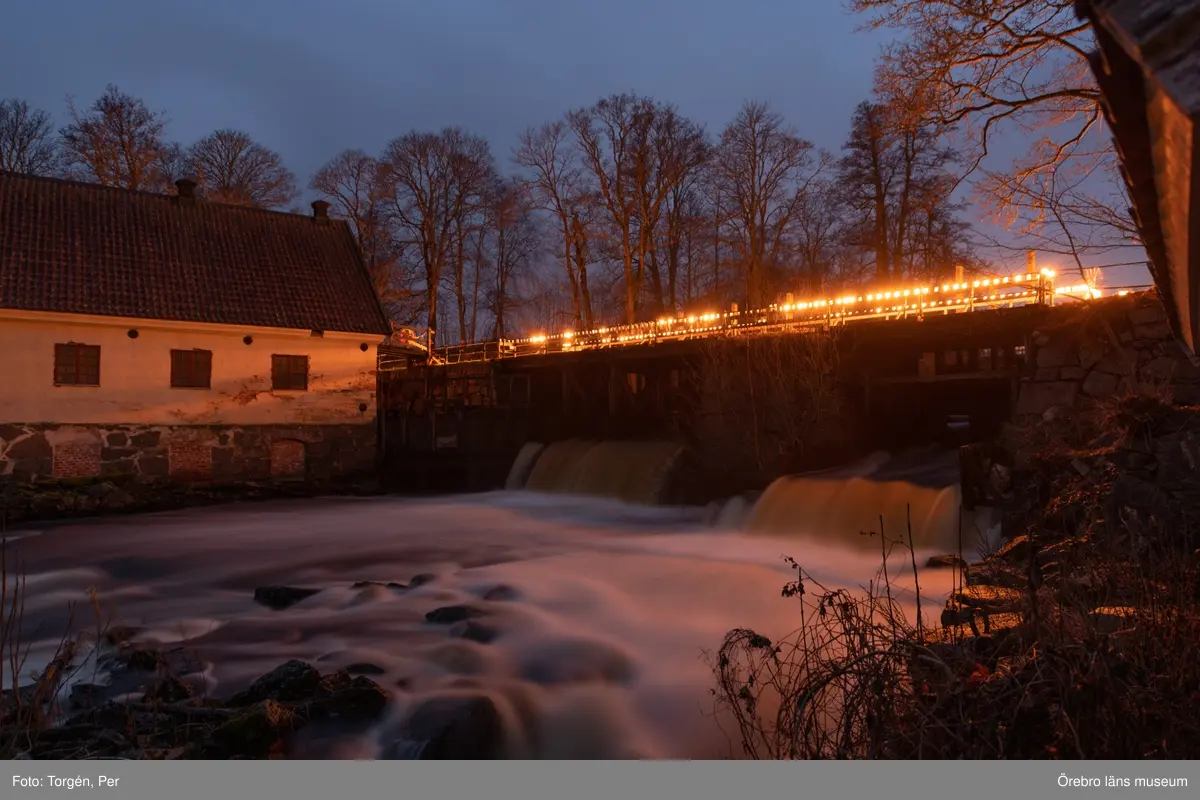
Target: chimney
[(186, 188), (320, 209), (1031, 262)]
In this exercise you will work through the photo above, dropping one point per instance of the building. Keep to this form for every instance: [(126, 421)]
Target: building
[(160, 336), (1147, 66)]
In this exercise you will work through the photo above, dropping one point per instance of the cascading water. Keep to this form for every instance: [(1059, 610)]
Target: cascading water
[(632, 471), (522, 465), (597, 639), (913, 498)]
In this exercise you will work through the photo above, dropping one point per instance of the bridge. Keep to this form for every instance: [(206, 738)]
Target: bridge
[(892, 364), (917, 301), (804, 384)]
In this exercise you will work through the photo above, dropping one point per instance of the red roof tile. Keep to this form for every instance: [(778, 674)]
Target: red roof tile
[(84, 249)]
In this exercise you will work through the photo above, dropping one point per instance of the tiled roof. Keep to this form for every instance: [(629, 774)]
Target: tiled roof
[(79, 248)]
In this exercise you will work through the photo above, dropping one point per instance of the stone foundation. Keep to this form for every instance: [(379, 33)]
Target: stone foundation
[(222, 455), (1107, 348)]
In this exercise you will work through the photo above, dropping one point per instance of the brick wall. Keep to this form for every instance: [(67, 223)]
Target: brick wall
[(76, 460), (191, 459), (288, 459)]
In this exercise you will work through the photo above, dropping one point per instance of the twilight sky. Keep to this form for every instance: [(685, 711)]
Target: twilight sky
[(310, 78)]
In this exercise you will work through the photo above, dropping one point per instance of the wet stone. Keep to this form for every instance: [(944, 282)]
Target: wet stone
[(448, 615), (452, 728), (946, 561), (168, 689), (474, 631), (277, 598), (395, 586), (355, 699), (291, 681), (501, 593), (142, 660), (364, 668)]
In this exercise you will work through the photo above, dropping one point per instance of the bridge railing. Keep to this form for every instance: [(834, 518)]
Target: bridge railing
[(904, 303)]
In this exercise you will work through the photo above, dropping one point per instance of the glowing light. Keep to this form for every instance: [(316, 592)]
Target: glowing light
[(568, 334), (539, 339)]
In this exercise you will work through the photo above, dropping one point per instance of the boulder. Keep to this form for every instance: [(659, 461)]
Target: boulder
[(992, 599), (86, 695), (354, 699), (168, 689), (32, 447), (364, 668), (1057, 354), (1153, 331), (1099, 384), (1147, 314), (277, 598), (448, 615), (946, 561), (994, 573), (1090, 353), (474, 631), (501, 593), (1037, 398), (1161, 369), (395, 586), (293, 681), (1016, 549), (142, 660), (452, 727)]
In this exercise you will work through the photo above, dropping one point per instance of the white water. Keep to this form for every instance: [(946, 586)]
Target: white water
[(603, 649)]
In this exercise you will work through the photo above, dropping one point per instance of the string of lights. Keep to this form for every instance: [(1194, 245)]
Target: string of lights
[(901, 302)]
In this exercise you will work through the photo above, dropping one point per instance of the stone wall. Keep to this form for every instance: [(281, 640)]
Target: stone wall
[(220, 455), (1094, 351)]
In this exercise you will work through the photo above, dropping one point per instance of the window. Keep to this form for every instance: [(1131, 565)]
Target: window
[(191, 369), (289, 372), (76, 364)]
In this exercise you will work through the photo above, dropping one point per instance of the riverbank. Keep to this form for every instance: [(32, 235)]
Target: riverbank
[(1079, 637), (68, 499), (1084, 628)]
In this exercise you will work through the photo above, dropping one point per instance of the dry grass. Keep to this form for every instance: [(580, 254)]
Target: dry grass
[(1100, 659)]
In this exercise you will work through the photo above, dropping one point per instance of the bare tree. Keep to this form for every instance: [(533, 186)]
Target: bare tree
[(27, 140), (172, 165), (515, 239), (668, 151), (867, 171), (432, 180), (761, 168), (819, 219), (608, 136), (232, 168), (116, 141), (353, 184), (895, 175), (988, 66), (558, 185)]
